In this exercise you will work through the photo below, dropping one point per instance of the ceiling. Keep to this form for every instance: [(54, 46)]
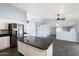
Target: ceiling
[(50, 10)]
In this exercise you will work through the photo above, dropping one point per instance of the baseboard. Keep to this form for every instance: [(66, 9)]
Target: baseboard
[(21, 53)]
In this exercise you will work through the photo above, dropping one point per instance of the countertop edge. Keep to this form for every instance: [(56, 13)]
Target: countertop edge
[(34, 46)]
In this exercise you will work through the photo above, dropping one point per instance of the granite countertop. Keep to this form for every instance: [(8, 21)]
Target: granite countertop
[(2, 35), (38, 42)]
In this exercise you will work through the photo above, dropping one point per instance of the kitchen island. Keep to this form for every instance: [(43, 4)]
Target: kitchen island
[(36, 46)]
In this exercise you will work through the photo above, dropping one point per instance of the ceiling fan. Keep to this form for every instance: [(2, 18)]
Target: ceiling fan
[(60, 17)]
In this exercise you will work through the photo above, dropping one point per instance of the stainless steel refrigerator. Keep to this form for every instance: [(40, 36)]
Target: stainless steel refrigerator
[(15, 31)]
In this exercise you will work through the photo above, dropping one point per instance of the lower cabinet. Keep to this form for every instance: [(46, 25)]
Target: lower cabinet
[(32, 51), (28, 50), (22, 48), (4, 42)]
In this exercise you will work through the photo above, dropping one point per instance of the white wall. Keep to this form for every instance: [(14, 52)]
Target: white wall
[(10, 12), (44, 28), (53, 31), (76, 27), (31, 29)]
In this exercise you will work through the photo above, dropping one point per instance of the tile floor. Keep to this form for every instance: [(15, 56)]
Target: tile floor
[(65, 48), (61, 48), (10, 52)]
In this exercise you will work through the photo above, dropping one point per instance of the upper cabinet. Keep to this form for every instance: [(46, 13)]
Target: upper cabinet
[(3, 25)]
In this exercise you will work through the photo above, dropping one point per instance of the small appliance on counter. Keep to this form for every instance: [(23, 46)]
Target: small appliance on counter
[(16, 31)]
